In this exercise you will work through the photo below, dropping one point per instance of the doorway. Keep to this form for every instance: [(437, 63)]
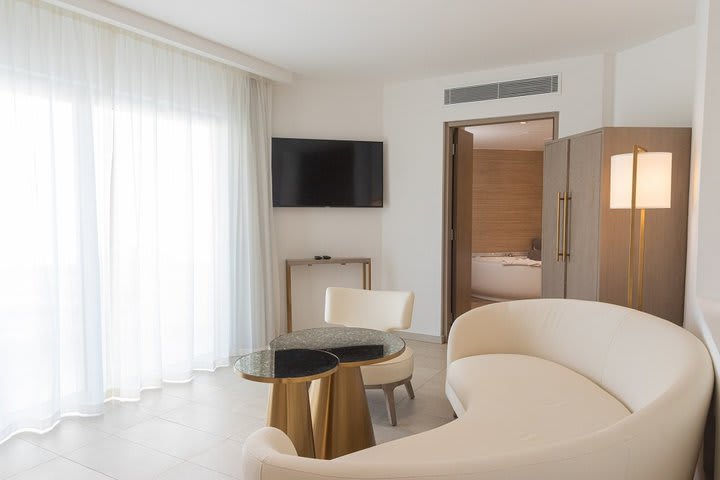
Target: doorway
[(492, 210)]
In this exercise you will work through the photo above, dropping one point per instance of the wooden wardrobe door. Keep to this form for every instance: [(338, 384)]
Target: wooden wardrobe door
[(555, 170), (584, 173)]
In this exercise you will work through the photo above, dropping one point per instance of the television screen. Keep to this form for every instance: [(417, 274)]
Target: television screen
[(326, 173)]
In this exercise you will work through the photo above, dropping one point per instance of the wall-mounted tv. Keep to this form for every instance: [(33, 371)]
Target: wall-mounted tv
[(326, 173)]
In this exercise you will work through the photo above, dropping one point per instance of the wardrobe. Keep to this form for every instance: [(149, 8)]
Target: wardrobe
[(586, 244)]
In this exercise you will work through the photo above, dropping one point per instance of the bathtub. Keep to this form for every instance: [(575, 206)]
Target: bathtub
[(498, 277)]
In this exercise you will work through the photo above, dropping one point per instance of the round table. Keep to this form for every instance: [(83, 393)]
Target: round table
[(289, 371), (341, 418)]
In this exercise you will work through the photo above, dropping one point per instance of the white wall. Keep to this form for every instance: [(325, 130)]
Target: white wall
[(316, 109), (414, 115), (702, 289), (708, 159), (655, 81), (404, 239)]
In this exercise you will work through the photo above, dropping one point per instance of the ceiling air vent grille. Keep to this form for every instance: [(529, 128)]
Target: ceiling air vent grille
[(494, 91)]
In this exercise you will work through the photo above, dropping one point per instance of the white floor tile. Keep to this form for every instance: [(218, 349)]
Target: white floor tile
[(155, 402), (252, 407), (376, 405), (211, 419), (250, 388), (67, 436), (193, 421), (422, 374), (426, 361), (123, 460), (225, 458), (17, 455), (435, 387), (191, 471), (225, 398), (419, 423), (190, 390), (246, 428), (435, 350), (171, 438), (221, 377), (387, 433), (60, 469), (116, 417), (376, 397), (422, 404)]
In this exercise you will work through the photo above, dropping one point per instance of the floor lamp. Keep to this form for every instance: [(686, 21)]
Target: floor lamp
[(639, 180)]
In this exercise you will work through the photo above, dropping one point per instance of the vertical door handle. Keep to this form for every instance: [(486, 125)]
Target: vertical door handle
[(566, 207), (558, 251)]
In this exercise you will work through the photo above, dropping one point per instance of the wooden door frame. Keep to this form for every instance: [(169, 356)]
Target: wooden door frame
[(448, 193)]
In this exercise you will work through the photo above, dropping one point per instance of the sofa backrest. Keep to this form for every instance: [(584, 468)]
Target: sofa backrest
[(633, 355), (660, 371)]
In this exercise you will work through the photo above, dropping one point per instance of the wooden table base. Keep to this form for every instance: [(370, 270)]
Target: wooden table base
[(341, 418), (289, 410)]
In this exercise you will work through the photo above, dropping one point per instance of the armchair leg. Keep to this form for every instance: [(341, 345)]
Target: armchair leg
[(409, 388), (390, 402)]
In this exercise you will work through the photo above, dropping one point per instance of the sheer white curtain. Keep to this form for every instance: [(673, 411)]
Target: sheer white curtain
[(135, 215)]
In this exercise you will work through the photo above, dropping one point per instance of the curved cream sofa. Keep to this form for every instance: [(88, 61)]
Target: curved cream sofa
[(544, 389)]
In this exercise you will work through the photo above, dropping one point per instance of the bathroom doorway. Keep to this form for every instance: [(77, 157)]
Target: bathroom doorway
[(493, 211)]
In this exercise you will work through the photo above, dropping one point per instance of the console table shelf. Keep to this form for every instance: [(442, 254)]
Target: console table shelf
[(309, 262)]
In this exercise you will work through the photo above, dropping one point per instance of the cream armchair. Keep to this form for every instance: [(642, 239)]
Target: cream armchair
[(381, 310)]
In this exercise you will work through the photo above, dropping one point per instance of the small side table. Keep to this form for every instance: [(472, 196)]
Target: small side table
[(291, 262), (288, 372)]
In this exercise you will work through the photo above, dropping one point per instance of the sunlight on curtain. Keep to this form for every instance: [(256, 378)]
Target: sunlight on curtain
[(136, 239)]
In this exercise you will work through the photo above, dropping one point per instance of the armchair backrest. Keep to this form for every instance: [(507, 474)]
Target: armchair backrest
[(378, 309)]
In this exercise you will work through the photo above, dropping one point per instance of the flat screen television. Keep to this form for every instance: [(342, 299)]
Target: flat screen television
[(326, 173)]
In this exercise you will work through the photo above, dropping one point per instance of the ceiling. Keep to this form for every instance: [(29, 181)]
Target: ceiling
[(390, 40), (530, 135)]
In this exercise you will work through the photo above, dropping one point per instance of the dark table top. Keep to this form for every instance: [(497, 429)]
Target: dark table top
[(352, 346), (286, 366)]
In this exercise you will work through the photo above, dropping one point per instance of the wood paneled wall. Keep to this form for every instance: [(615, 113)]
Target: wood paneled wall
[(507, 200)]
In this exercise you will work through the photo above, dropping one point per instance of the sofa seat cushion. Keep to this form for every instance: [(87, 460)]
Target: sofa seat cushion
[(511, 403)]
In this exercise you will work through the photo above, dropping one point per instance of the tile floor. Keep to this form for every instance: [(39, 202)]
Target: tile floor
[(196, 430)]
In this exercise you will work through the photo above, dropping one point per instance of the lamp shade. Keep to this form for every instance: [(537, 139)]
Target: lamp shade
[(654, 180)]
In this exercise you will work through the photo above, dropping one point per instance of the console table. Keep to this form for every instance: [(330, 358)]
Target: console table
[(292, 262)]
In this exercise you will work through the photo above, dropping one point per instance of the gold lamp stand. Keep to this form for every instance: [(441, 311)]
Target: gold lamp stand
[(641, 241), (638, 181)]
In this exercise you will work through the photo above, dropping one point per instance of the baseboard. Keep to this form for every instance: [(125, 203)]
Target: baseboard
[(420, 337)]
